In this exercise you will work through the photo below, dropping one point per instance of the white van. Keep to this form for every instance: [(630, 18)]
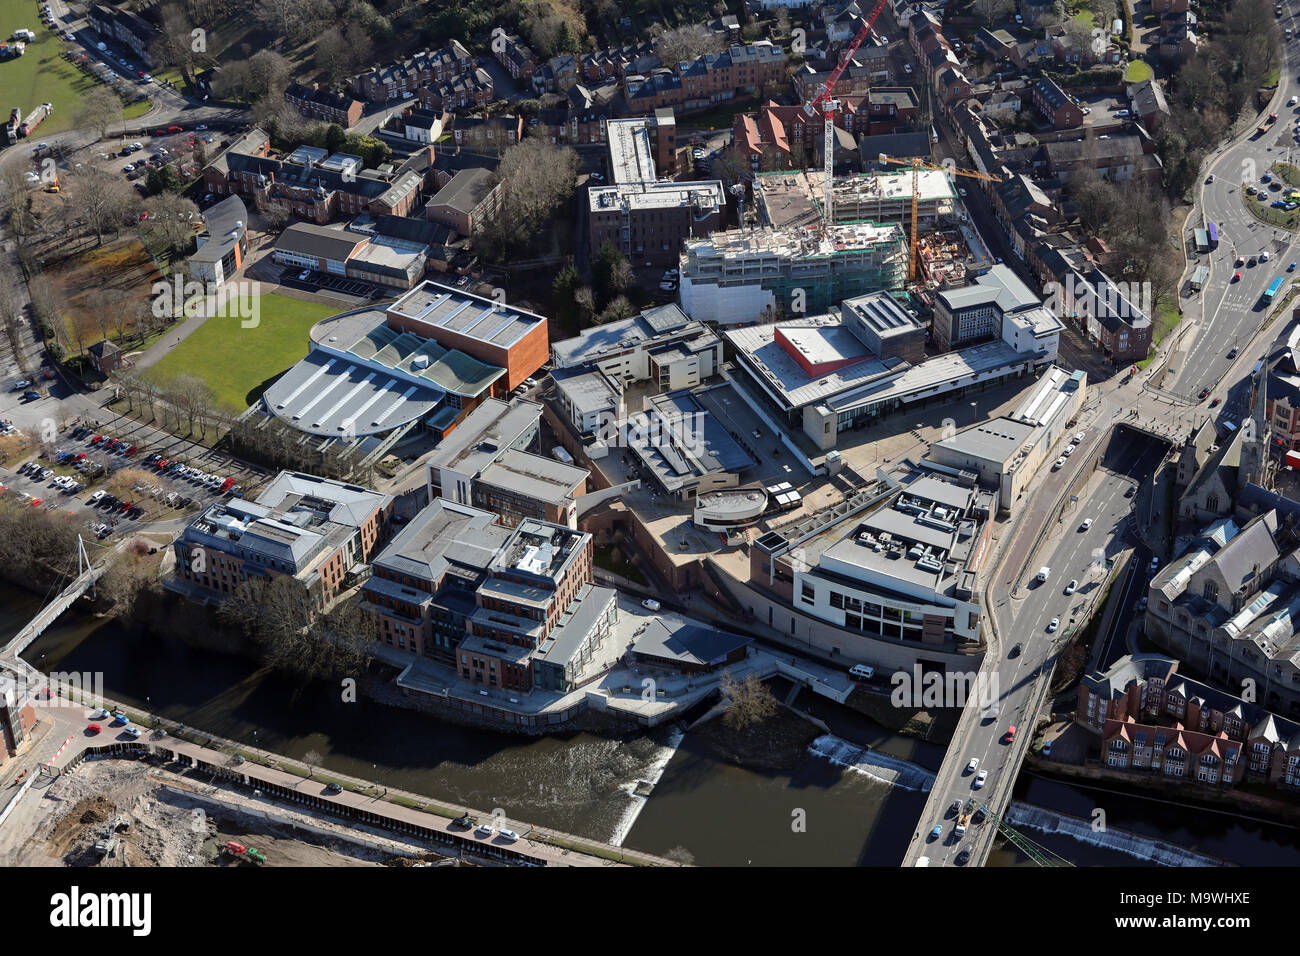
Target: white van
[(862, 672), (650, 604), (1044, 574)]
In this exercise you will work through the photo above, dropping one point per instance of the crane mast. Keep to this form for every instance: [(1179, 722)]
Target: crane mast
[(830, 105)]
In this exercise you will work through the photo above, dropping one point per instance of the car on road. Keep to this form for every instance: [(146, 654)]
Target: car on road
[(954, 808), (1067, 451), (1015, 649), (1236, 277), (31, 396), (1215, 401), (936, 832), (973, 765), (510, 836), (1232, 352), (1204, 392), (201, 127), (1292, 101), (1241, 261), (1209, 179), (1087, 523), (304, 275), (1059, 463), (333, 787), (964, 856), (93, 729), (21, 384), (132, 732), (463, 822), (1053, 625), (174, 129), (1263, 256), (484, 830), (980, 778), (1072, 586), (1155, 563), (1010, 735), (100, 714)]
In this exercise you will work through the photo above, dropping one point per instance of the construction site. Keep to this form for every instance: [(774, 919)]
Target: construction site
[(126, 812)]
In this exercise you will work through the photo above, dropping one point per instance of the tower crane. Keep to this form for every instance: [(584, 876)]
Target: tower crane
[(829, 105), (917, 165)]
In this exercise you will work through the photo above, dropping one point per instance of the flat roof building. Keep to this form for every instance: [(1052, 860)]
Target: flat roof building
[(830, 373), (745, 276), (320, 532), (905, 571), (484, 463), (685, 442), (643, 217), (1007, 452)]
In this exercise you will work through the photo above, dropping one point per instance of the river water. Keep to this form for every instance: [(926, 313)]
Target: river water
[(839, 806)]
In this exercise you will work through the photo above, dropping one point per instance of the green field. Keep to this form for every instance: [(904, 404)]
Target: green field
[(238, 363), (40, 75), (1138, 72)]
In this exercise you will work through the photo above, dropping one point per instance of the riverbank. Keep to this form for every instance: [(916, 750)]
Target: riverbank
[(1255, 807), (778, 744)]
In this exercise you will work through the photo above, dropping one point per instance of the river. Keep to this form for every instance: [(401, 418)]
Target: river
[(827, 810)]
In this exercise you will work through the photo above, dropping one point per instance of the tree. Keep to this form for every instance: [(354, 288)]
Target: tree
[(191, 397), (17, 197), (175, 44), (537, 178), (274, 218), (171, 220), (312, 759), (680, 855), (686, 43), (611, 272), (620, 307), (99, 109), (566, 284), (268, 74), (993, 11), (749, 702), (164, 179), (103, 200), (332, 55)]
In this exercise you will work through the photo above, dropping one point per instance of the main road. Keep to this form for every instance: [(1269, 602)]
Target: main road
[(1227, 313), (1017, 668)]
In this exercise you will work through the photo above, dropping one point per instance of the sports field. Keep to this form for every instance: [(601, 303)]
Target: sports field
[(239, 363)]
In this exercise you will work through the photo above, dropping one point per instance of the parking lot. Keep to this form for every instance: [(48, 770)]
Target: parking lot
[(314, 281)]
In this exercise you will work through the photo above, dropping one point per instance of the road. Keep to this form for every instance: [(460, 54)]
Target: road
[(1018, 683), (1226, 314)]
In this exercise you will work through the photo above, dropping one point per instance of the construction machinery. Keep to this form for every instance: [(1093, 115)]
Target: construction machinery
[(918, 165), (829, 105)]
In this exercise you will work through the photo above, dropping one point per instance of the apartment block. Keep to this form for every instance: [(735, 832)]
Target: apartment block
[(1152, 721), (326, 105), (318, 531), (540, 618), (646, 219), (429, 68), (423, 582)]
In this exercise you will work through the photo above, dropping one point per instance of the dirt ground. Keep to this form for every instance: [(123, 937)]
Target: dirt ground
[(158, 818)]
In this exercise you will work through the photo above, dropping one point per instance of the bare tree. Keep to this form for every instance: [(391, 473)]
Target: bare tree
[(312, 759), (991, 11), (749, 701), (171, 220), (17, 197), (686, 43), (100, 109), (102, 199)]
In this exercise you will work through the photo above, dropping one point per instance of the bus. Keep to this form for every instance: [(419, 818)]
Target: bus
[(1213, 232), (1271, 292)]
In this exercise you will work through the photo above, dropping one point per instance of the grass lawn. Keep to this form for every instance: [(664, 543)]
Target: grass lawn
[(1138, 72), (238, 363), (1167, 319), (40, 75), (1084, 15), (1290, 174)]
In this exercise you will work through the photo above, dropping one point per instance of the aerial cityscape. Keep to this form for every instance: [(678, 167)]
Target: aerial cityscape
[(583, 433)]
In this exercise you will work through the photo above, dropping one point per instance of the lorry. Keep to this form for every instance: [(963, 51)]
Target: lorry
[(34, 119), (1044, 574), (1264, 126), (961, 825)]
